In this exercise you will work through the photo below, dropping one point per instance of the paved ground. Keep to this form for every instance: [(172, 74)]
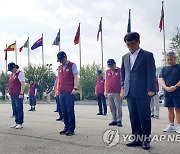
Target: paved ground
[(41, 133)]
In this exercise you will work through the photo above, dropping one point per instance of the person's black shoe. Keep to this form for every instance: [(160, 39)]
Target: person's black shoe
[(104, 114), (100, 114), (56, 111), (119, 123), (113, 123), (59, 119), (152, 116), (68, 133), (134, 144), (33, 109), (146, 145), (30, 109), (63, 132)]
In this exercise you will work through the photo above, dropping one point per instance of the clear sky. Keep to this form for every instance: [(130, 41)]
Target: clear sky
[(22, 18)]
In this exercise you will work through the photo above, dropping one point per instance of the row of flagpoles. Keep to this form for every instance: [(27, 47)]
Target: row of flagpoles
[(77, 40)]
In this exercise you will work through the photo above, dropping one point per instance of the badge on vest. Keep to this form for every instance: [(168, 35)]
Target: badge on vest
[(108, 73), (116, 73), (67, 70)]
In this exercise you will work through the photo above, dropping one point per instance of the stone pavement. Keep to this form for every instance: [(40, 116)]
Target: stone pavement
[(40, 134)]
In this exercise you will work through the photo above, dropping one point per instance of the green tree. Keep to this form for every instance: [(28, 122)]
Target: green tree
[(87, 81), (42, 75), (175, 44), (3, 84)]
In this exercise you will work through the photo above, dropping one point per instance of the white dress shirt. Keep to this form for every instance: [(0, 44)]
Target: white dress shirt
[(21, 76), (133, 57)]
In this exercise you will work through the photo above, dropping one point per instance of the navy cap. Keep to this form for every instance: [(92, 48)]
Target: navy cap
[(11, 66), (111, 62), (60, 56), (99, 72)]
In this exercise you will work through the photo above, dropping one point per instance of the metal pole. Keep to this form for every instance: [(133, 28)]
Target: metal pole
[(59, 41), (102, 44), (6, 58), (15, 52), (164, 36), (42, 51), (28, 53), (80, 47)]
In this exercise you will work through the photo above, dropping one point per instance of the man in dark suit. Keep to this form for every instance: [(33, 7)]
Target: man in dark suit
[(138, 78)]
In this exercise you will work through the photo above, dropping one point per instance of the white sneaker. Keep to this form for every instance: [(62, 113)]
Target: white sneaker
[(19, 126), (178, 129), (14, 126), (170, 128)]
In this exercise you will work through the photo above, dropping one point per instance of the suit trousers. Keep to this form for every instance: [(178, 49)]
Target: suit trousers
[(115, 104), (140, 116)]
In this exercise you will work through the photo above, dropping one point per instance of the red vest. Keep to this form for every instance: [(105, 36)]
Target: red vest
[(113, 84), (14, 84), (100, 85), (66, 79), (32, 88)]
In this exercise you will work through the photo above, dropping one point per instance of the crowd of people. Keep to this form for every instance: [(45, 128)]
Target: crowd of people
[(136, 81)]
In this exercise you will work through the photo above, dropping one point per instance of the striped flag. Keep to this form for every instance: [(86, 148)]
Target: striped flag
[(11, 47), (26, 44), (129, 22), (5, 55), (161, 23), (76, 39), (57, 39), (99, 30)]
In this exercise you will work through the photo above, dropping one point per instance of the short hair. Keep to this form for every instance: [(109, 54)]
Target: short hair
[(132, 36), (172, 54)]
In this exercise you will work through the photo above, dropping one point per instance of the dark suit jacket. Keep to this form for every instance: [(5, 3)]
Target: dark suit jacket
[(142, 78)]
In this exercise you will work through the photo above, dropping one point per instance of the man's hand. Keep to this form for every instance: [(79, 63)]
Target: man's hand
[(73, 91), (105, 94), (150, 93), (122, 94), (20, 96)]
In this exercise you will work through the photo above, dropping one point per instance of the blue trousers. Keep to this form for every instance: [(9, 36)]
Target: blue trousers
[(32, 100), (17, 105), (67, 104), (59, 108)]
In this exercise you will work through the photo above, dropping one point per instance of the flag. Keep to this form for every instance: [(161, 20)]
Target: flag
[(5, 55), (37, 44), (10, 47), (26, 44), (161, 19), (129, 22), (76, 39), (100, 29), (57, 39)]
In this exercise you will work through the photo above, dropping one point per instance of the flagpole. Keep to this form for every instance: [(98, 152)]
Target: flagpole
[(101, 44), (59, 41), (15, 52), (164, 40), (80, 47), (28, 53), (42, 51), (6, 58)]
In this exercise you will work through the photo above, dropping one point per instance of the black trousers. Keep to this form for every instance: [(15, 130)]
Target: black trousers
[(140, 116), (59, 108), (102, 103), (67, 104)]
